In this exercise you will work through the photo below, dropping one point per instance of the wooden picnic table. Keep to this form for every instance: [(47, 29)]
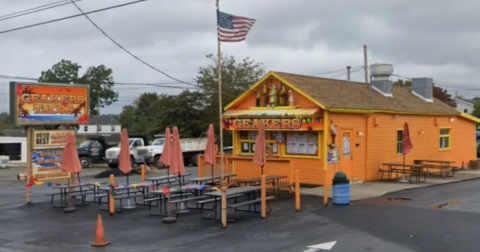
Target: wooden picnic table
[(443, 165), (415, 169)]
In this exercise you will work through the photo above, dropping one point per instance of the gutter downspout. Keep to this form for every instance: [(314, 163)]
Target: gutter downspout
[(325, 157)]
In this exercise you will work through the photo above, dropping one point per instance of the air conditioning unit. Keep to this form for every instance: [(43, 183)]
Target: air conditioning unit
[(4, 162)]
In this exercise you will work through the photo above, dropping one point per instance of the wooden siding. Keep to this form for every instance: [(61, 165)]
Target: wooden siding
[(382, 140)]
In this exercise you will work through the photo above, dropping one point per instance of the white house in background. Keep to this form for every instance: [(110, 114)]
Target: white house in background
[(465, 105), (103, 125)]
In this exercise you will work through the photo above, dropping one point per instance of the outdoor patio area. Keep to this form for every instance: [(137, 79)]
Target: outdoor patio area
[(378, 188)]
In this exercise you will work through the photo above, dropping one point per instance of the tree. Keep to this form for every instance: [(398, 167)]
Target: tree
[(438, 92), (444, 96), (186, 111), (99, 78), (237, 77), (405, 83)]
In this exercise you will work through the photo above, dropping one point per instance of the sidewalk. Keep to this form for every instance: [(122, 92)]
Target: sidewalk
[(379, 188)]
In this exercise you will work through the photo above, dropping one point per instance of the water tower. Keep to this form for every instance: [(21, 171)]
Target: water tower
[(380, 78)]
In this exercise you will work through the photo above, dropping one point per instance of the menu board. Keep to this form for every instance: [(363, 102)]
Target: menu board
[(302, 143)]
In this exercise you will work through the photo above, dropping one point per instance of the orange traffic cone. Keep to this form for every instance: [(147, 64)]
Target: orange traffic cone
[(100, 234)]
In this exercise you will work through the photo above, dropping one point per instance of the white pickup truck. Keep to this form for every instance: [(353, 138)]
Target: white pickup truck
[(135, 143), (191, 147)]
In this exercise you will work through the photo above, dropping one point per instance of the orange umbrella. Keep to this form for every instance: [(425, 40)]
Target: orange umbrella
[(259, 157), (70, 161), (210, 148), (124, 159), (177, 167), (167, 148), (70, 164)]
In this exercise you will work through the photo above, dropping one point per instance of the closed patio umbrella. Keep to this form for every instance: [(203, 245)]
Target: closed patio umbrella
[(210, 148), (166, 153), (70, 164), (407, 145), (259, 157), (177, 167), (124, 163)]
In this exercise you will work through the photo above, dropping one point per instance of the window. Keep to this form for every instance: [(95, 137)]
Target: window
[(85, 128), (445, 139), (302, 143), (247, 141), (138, 143), (399, 142), (113, 128), (465, 110), (99, 128)]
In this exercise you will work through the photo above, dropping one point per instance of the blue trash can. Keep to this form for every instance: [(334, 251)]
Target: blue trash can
[(341, 194), (341, 189)]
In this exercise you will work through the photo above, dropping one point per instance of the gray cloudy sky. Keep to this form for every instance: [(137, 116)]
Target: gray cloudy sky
[(428, 38)]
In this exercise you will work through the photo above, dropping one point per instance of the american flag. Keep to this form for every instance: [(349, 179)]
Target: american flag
[(233, 28)]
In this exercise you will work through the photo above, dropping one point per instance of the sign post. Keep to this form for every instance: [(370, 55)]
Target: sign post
[(47, 104)]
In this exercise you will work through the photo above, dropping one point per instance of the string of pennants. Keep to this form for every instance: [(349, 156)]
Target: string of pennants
[(112, 187)]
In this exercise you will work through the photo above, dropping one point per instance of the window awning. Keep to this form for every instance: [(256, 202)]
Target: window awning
[(274, 113)]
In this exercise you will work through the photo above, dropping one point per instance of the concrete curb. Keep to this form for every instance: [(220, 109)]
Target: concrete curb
[(396, 191)]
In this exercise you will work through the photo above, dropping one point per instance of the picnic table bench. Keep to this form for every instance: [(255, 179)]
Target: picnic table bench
[(249, 192), (273, 180), (201, 180), (85, 189), (124, 193), (399, 168), (444, 166)]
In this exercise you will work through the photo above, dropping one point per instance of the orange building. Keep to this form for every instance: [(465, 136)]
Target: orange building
[(300, 113)]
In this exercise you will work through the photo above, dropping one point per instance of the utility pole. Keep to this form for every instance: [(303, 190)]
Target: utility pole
[(365, 59)]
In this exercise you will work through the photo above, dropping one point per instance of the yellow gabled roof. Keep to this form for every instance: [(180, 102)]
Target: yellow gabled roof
[(470, 117), (258, 83)]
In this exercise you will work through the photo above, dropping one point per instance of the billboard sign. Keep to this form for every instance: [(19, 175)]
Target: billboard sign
[(41, 103)]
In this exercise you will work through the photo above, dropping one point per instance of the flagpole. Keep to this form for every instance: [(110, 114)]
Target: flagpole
[(220, 109)]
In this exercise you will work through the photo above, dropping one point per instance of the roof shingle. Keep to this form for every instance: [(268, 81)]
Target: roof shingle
[(340, 94)]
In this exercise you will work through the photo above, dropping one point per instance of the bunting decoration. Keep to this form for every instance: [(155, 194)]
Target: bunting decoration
[(165, 190), (200, 187), (34, 181), (111, 191)]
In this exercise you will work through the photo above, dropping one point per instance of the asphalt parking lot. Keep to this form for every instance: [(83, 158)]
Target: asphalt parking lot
[(370, 225)]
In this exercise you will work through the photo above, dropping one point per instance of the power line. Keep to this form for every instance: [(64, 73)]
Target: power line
[(36, 9), (160, 84), (72, 16), (124, 49)]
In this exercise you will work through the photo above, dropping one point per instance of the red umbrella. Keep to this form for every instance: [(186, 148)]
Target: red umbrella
[(124, 163), (167, 148), (70, 161), (259, 157), (177, 167), (210, 148), (70, 164), (407, 145)]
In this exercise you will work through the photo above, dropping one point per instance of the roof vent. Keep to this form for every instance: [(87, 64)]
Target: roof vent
[(423, 88), (381, 82)]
